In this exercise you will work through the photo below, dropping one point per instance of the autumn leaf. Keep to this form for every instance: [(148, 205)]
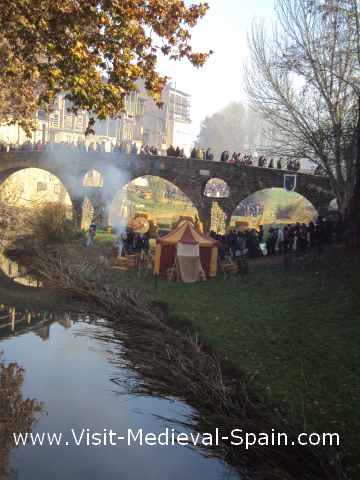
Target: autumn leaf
[(88, 48)]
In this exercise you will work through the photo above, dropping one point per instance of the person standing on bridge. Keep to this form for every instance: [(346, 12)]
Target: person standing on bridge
[(134, 149), (225, 156), (209, 155)]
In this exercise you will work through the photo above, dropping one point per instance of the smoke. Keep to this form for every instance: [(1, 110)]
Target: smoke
[(114, 179)]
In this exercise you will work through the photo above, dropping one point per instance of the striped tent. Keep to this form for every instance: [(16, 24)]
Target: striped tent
[(189, 250)]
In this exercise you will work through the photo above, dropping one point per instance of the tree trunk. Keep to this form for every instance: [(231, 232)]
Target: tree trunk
[(352, 215)]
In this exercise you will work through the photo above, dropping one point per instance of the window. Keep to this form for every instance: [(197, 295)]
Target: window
[(41, 187), (41, 115), (68, 121), (55, 119), (79, 122)]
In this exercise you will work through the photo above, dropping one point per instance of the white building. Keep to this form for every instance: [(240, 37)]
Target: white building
[(143, 123)]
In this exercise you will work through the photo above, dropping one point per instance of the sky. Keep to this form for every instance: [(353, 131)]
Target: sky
[(224, 30)]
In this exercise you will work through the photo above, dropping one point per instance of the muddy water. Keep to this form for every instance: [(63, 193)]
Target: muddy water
[(78, 381)]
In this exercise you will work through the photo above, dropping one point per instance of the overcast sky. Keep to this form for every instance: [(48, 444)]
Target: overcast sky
[(224, 30)]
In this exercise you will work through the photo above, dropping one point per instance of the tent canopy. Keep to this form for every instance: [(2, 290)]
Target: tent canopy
[(183, 243), (186, 233)]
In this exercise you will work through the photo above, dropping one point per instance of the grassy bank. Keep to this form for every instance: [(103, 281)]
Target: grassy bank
[(295, 334)]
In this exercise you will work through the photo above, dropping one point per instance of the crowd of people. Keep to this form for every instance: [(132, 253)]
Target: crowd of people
[(301, 237), (238, 244), (218, 189), (280, 164), (249, 209), (132, 148), (41, 146), (175, 152), (247, 160), (293, 238), (125, 147), (127, 243), (130, 242), (240, 159)]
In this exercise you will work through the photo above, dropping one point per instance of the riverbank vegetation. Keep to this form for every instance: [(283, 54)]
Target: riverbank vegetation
[(278, 351), (294, 334)]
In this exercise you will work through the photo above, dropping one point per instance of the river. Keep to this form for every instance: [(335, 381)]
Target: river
[(79, 381)]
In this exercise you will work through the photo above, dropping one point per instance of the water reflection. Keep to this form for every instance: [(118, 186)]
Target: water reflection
[(72, 371), (15, 322), (17, 414), (17, 272)]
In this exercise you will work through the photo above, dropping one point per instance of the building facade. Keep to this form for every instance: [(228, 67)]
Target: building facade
[(142, 123)]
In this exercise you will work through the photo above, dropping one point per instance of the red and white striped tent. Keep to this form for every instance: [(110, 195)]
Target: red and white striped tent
[(189, 250)]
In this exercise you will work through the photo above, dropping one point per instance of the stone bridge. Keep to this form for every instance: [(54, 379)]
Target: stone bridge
[(189, 175)]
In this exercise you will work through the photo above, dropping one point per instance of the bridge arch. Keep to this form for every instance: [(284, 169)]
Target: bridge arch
[(87, 213), (189, 175), (216, 188), (163, 201), (273, 206), (25, 187), (93, 179)]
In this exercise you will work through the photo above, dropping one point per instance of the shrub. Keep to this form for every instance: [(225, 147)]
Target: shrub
[(50, 223)]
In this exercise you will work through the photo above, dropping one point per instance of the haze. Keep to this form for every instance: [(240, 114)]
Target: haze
[(219, 82)]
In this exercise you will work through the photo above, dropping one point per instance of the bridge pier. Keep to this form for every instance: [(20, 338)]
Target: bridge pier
[(77, 204), (101, 215), (204, 211)]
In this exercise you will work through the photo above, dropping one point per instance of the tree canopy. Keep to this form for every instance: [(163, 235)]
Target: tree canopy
[(94, 50)]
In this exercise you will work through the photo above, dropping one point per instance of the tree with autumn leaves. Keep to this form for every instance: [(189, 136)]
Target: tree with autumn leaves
[(94, 50)]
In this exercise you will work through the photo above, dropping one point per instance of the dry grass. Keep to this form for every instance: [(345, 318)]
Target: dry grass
[(43, 224), (166, 362)]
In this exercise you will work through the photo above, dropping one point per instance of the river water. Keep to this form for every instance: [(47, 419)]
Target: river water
[(81, 382)]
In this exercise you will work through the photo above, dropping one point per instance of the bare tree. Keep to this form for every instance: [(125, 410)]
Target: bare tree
[(351, 12), (300, 79)]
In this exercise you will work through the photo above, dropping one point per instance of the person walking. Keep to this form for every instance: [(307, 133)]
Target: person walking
[(91, 235)]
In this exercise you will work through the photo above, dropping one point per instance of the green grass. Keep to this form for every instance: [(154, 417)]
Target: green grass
[(296, 335), (103, 236)]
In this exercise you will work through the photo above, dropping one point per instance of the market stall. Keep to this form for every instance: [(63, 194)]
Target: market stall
[(187, 252)]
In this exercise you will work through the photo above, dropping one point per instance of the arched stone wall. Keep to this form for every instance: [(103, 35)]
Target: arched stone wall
[(93, 179), (281, 200), (225, 189), (73, 188), (142, 174), (189, 175)]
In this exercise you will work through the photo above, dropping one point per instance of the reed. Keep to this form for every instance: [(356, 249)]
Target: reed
[(167, 362)]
